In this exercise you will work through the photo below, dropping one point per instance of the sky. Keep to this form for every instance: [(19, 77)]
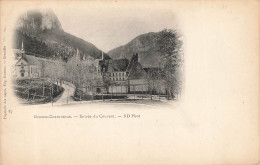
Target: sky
[(112, 25)]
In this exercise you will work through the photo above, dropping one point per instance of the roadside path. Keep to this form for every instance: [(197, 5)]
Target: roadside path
[(66, 96)]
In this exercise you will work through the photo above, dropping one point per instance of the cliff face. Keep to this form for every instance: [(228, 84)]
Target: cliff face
[(38, 20), (50, 21), (146, 47), (42, 33)]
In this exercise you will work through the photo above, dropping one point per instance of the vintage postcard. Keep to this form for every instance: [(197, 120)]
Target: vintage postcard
[(129, 82)]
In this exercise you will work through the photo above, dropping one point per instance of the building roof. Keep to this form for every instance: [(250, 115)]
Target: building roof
[(32, 60), (134, 59), (134, 68), (117, 65), (136, 71), (103, 64)]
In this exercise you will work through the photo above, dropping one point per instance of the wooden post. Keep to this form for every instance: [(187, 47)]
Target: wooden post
[(52, 95), (151, 94), (159, 93), (68, 96), (43, 89), (168, 94), (34, 95), (146, 92), (142, 92), (116, 90), (126, 89), (112, 92), (52, 89), (92, 94), (134, 92), (28, 93)]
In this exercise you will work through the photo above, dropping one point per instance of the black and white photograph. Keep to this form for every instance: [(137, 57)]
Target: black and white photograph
[(120, 82), (136, 60)]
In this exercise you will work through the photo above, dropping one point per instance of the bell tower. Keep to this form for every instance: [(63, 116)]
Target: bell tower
[(22, 49)]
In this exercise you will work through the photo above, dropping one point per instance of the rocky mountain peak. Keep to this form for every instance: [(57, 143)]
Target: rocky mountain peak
[(42, 34), (39, 20)]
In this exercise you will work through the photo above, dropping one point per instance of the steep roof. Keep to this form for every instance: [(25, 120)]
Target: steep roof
[(136, 71), (32, 60), (118, 65), (103, 65), (134, 59)]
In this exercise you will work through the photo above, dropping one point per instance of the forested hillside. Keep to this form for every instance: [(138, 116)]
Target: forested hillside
[(42, 33)]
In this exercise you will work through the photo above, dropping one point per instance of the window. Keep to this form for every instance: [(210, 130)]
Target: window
[(22, 74), (98, 90)]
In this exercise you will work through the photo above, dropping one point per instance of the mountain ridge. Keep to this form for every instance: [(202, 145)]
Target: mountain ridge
[(145, 45)]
